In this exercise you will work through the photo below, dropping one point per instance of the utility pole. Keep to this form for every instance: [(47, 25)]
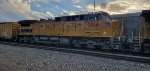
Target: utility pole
[(94, 5)]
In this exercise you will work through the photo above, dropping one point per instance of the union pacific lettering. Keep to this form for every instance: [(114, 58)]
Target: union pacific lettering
[(95, 24)]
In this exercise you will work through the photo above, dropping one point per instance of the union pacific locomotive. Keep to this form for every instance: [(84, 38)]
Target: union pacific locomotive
[(92, 30)]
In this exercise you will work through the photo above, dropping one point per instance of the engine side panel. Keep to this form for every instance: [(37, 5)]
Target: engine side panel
[(99, 28)]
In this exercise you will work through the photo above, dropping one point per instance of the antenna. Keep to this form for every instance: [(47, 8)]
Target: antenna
[(94, 5)]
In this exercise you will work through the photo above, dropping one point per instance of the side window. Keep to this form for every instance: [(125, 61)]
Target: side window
[(103, 16), (81, 17), (99, 16), (92, 18), (108, 18)]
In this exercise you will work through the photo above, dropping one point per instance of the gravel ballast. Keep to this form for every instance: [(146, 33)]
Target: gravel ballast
[(14, 58)]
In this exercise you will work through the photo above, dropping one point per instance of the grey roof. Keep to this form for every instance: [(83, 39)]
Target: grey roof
[(126, 15)]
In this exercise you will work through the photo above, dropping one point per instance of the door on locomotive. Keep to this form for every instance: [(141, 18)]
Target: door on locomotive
[(145, 31)]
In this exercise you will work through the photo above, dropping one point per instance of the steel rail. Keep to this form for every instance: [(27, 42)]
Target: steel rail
[(140, 59)]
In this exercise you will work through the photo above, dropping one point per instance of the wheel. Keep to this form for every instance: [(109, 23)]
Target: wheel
[(97, 47), (76, 44), (19, 40)]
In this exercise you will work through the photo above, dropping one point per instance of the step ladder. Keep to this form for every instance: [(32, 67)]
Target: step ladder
[(136, 44), (116, 43)]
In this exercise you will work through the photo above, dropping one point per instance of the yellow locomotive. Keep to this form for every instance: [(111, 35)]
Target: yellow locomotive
[(93, 29)]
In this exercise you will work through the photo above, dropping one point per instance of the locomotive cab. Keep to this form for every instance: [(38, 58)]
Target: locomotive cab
[(25, 34), (85, 17)]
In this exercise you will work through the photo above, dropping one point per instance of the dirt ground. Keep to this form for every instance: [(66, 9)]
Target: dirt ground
[(29, 59)]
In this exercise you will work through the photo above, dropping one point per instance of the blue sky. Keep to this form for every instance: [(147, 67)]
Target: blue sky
[(15, 10)]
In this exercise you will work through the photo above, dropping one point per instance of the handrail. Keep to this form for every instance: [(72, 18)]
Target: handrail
[(121, 33), (114, 33)]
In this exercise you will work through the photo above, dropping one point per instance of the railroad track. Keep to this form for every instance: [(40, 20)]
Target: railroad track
[(134, 58)]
